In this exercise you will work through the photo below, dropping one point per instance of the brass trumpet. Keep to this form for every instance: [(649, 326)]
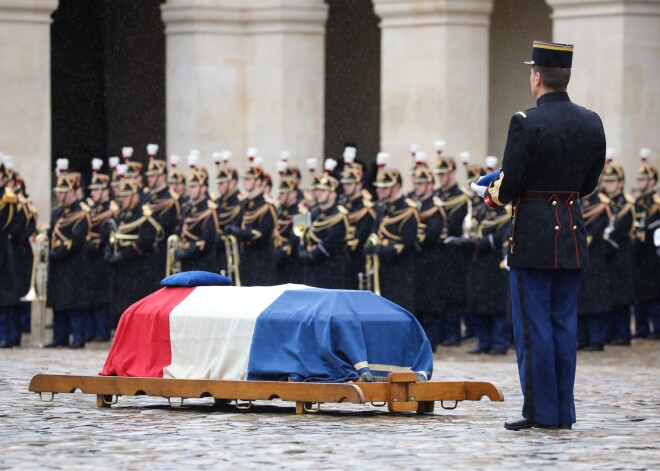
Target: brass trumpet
[(172, 265), (233, 258), (370, 279), (39, 281), (301, 223)]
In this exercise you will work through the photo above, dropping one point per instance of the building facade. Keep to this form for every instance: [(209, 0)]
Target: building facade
[(81, 79)]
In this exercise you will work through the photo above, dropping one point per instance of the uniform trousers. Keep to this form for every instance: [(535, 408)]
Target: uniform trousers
[(645, 312), (544, 315), (5, 324), (491, 332), (592, 329), (451, 327), (15, 323), (68, 321), (618, 323), (26, 317)]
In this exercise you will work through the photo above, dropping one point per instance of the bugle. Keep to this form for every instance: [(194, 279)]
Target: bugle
[(233, 258), (301, 223), (39, 281), (172, 265), (370, 279)]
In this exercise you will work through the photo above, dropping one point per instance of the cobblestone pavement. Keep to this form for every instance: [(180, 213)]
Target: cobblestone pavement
[(617, 396)]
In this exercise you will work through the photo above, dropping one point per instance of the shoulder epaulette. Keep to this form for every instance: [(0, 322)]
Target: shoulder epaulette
[(212, 204), (656, 199), (174, 196), (9, 196), (213, 196), (366, 195), (465, 192), (412, 203), (114, 207), (241, 197), (368, 203), (342, 210), (146, 190), (84, 207), (146, 210), (522, 113), (603, 198), (629, 198)]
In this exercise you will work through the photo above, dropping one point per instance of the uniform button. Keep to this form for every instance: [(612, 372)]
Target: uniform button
[(554, 203), (556, 228), (571, 203), (574, 227)]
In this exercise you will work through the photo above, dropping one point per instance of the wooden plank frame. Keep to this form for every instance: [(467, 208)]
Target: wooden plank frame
[(402, 392)]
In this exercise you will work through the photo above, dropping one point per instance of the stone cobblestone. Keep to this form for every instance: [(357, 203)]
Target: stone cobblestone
[(617, 402)]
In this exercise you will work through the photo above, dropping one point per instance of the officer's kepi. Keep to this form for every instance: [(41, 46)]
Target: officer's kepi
[(546, 54)]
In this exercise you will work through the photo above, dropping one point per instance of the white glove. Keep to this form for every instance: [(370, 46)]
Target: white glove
[(480, 190)]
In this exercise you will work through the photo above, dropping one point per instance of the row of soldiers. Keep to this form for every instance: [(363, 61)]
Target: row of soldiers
[(438, 251)]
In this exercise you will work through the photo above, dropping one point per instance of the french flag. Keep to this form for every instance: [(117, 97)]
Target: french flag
[(270, 333)]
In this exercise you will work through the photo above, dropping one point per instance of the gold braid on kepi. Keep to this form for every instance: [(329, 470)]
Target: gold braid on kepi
[(387, 178), (546, 54), (445, 165), (613, 173), (647, 172), (423, 175), (198, 176), (66, 182), (326, 182)]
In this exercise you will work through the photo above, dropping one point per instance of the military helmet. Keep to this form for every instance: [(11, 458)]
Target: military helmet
[(647, 172), (445, 165), (352, 174), (225, 174), (99, 181), (67, 182), (198, 176), (327, 182), (127, 187), (156, 167), (133, 169), (287, 185), (387, 178), (175, 177), (423, 175), (613, 173), (253, 172)]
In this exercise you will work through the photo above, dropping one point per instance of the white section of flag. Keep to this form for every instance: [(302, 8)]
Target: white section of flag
[(211, 330)]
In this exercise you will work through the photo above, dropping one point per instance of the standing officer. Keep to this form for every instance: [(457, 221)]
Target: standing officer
[(647, 261), (432, 220), (103, 210), (68, 269), (361, 217), (554, 153), (489, 281), (9, 289), (594, 294), (166, 210), (455, 201), (620, 264), (229, 208), (285, 244), (255, 232), (397, 241), (131, 246), (323, 247)]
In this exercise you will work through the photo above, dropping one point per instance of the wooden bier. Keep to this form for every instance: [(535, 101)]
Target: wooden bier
[(402, 392)]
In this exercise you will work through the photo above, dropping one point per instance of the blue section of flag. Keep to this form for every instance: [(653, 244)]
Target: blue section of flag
[(321, 335), (196, 278), (490, 178)]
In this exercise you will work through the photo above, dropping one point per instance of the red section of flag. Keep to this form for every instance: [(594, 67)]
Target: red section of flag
[(141, 347)]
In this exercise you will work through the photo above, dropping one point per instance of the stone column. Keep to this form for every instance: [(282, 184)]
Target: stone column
[(616, 65), (205, 75), (245, 74), (434, 76), (25, 118), (285, 78)]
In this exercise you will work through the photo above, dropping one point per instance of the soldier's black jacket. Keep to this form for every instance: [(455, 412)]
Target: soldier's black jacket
[(554, 154), (198, 234), (285, 246), (452, 281), (594, 295), (324, 249), (432, 221), (398, 245), (486, 275), (229, 212), (68, 268), (362, 222), (257, 222), (9, 282), (647, 259), (100, 272), (620, 264)]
